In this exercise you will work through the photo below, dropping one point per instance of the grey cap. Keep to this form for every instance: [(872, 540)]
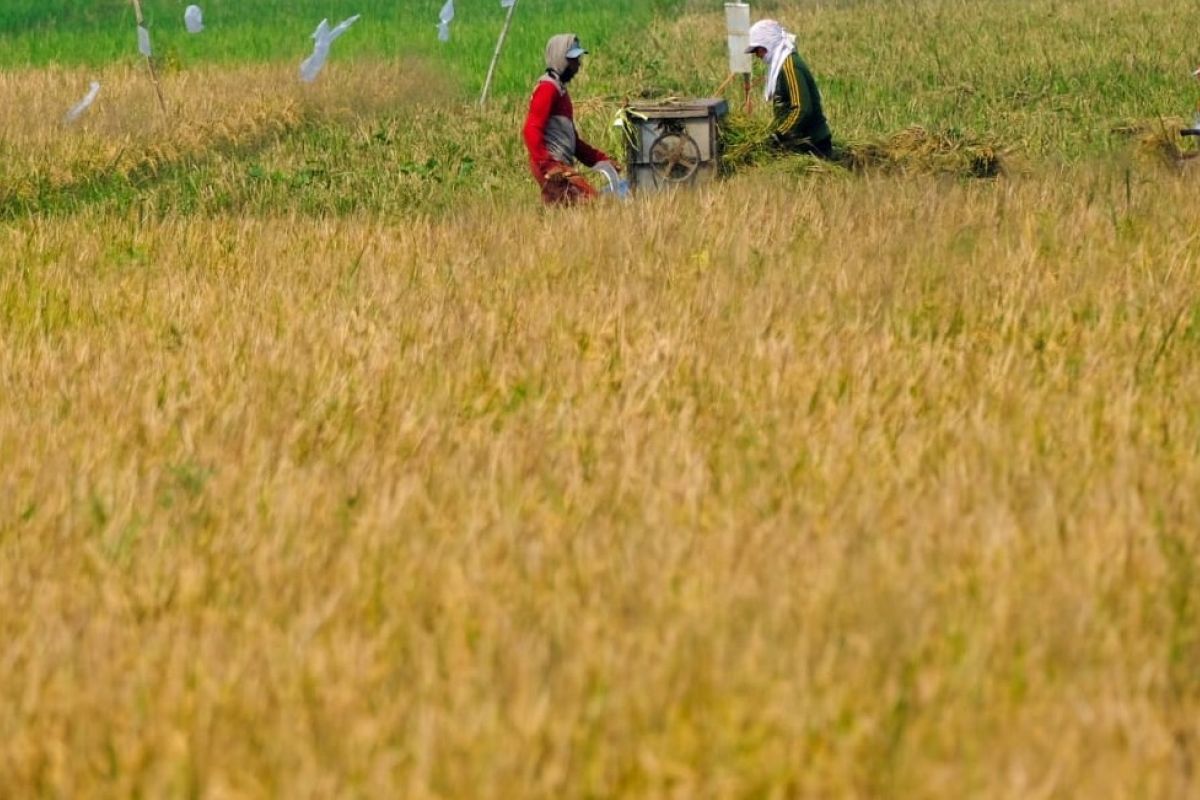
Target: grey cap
[(576, 50)]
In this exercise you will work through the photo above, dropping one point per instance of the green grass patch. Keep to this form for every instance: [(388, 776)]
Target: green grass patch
[(66, 32)]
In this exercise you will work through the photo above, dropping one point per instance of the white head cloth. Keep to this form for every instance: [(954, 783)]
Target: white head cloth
[(779, 44)]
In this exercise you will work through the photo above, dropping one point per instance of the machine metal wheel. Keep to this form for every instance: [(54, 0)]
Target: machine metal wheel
[(675, 157)]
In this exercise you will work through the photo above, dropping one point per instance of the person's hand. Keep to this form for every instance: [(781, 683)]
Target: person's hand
[(558, 173), (616, 167)]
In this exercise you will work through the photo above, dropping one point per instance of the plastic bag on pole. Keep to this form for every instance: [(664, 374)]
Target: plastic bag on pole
[(193, 19), (144, 42), (342, 27), (323, 37), (445, 17)]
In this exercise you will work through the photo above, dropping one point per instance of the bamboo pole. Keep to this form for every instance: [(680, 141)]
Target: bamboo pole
[(487, 84), (162, 103), (721, 89), (747, 105)]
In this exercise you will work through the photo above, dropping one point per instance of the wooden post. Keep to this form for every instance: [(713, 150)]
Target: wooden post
[(137, 10), (487, 84)]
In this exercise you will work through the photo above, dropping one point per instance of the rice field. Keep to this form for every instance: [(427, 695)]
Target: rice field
[(332, 465), (98, 33)]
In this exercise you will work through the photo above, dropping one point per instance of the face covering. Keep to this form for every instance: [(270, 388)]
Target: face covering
[(556, 51), (779, 45)]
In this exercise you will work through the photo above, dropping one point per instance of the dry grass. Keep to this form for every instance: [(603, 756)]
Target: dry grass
[(811, 484), (887, 490), (1160, 139), (914, 150), (211, 112)]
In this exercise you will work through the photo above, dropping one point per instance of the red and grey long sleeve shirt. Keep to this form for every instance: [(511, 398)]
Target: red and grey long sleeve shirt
[(550, 134)]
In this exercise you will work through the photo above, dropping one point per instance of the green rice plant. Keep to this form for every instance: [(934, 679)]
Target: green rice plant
[(67, 33)]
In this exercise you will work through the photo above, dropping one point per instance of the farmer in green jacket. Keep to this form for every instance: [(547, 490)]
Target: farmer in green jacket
[(800, 125)]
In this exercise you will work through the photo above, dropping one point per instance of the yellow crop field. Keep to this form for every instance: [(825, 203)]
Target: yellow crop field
[(332, 465)]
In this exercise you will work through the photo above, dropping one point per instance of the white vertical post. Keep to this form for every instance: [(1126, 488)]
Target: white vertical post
[(487, 83), (737, 22)]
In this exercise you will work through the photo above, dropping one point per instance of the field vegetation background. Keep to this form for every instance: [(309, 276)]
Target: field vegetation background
[(332, 465)]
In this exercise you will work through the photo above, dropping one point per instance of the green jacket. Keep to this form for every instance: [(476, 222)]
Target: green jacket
[(798, 114)]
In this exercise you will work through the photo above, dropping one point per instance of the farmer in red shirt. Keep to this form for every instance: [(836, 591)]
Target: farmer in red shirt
[(550, 134)]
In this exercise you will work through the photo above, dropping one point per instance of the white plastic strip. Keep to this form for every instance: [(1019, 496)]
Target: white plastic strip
[(83, 105), (444, 19), (193, 19), (144, 42)]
